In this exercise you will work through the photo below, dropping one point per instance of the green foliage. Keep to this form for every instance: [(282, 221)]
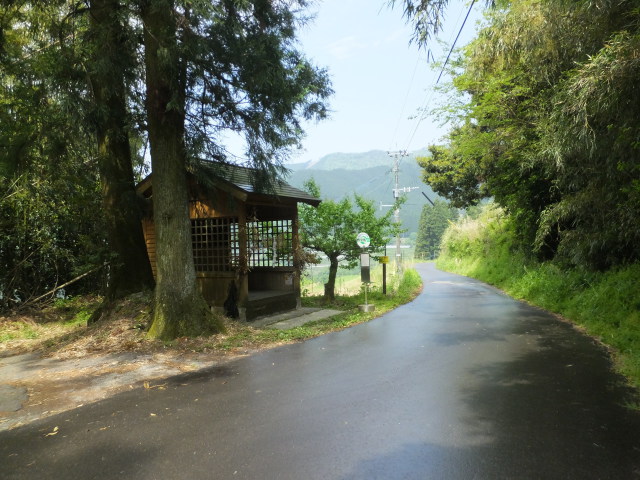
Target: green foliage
[(426, 16), (47, 236), (245, 74), (409, 286), (332, 227), (606, 304), (433, 223), (593, 140), (50, 222), (452, 176), (549, 127)]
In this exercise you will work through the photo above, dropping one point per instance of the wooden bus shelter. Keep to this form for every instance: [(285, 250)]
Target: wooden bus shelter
[(246, 250)]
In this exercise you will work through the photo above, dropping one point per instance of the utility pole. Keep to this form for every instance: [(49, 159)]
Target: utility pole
[(396, 195)]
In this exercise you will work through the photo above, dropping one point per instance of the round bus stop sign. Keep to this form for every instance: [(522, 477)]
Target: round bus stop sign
[(363, 240)]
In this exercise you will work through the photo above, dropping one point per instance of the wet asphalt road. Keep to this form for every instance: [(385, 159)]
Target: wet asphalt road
[(463, 383)]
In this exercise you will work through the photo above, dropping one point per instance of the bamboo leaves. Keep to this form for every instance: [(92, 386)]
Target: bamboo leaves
[(551, 129)]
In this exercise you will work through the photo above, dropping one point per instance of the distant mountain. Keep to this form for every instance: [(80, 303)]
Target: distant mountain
[(351, 161), (369, 175)]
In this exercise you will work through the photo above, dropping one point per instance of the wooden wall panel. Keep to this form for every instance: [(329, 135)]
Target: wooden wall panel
[(215, 287), (149, 230), (274, 280)]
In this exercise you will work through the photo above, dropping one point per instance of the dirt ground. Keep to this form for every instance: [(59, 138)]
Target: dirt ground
[(65, 365), (64, 368), (34, 386)]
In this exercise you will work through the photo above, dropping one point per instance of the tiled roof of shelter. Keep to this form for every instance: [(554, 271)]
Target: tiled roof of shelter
[(242, 179)]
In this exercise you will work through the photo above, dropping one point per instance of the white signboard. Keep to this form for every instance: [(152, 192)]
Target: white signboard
[(363, 240)]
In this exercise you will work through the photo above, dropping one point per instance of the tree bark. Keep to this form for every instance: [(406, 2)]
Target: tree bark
[(330, 286), (180, 309), (130, 269)]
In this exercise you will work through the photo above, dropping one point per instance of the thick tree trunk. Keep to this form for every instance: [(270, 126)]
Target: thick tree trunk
[(330, 286), (130, 270), (179, 309)]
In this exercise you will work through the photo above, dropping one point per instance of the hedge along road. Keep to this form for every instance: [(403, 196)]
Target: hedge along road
[(462, 383)]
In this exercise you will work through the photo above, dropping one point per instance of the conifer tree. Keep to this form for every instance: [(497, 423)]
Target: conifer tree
[(211, 67), (111, 66), (434, 220)]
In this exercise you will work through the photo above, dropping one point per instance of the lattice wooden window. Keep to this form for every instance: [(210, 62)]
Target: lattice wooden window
[(215, 244), (270, 244)]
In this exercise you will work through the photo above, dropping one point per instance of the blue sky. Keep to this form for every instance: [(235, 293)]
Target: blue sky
[(380, 81)]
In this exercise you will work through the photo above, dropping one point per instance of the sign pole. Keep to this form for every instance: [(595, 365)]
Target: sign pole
[(366, 302), (384, 261), (384, 278), (363, 242)]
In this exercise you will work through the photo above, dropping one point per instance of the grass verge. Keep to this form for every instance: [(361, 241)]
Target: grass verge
[(61, 330), (605, 304), (248, 337)]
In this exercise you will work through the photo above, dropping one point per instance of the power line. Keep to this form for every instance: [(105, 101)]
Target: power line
[(429, 55), (406, 98), (431, 91), (397, 155), (455, 41)]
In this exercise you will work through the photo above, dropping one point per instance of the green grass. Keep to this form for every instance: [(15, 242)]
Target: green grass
[(65, 319), (606, 304), (405, 291), (17, 331), (61, 316), (347, 281)]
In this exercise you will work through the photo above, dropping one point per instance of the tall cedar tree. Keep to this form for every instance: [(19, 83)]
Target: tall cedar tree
[(179, 308), (434, 220), (111, 63), (210, 68)]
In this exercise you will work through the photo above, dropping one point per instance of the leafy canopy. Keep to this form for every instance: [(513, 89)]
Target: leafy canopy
[(550, 127), (332, 227)]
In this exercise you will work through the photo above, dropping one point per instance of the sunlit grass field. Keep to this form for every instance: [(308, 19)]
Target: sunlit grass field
[(348, 282)]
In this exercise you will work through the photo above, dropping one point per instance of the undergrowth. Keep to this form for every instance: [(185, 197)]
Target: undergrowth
[(606, 304), (58, 318), (61, 329)]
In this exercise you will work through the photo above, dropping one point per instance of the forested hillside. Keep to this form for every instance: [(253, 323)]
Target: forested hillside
[(347, 161), (369, 175)]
